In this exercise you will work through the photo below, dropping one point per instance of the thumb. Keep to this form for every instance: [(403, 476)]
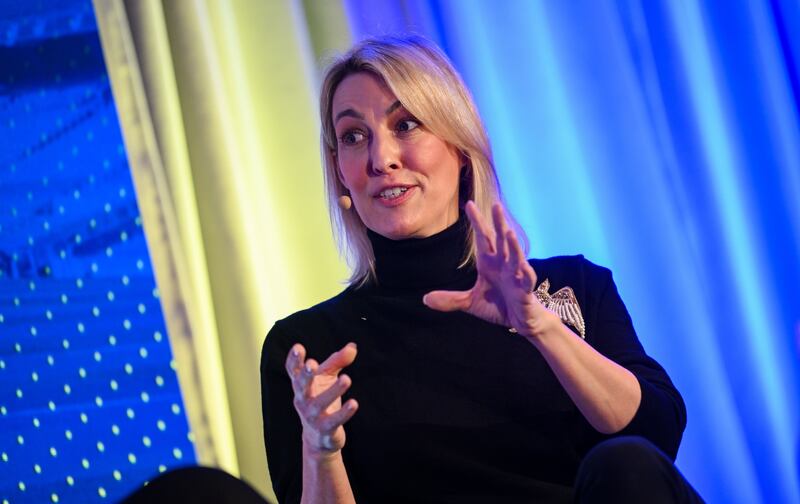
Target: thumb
[(339, 360), (447, 301)]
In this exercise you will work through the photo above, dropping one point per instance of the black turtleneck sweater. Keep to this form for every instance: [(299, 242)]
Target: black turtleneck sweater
[(452, 408)]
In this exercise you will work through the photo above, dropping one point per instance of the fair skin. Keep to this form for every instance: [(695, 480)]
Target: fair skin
[(379, 149)]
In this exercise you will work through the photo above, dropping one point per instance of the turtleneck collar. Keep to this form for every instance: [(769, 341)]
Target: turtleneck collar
[(419, 265)]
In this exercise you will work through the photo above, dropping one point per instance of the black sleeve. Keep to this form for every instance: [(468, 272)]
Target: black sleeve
[(661, 417), (282, 428)]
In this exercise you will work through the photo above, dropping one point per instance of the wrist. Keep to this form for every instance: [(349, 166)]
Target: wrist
[(319, 456), (542, 328)]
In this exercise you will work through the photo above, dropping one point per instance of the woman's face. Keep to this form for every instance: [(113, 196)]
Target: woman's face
[(402, 178)]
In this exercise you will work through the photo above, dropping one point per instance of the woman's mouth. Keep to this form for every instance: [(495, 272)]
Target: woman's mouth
[(393, 196)]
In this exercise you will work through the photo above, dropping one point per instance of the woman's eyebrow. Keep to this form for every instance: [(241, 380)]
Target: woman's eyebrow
[(352, 113), (394, 106), (348, 113)]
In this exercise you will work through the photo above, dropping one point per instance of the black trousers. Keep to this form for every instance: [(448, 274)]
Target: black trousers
[(630, 469), (623, 470)]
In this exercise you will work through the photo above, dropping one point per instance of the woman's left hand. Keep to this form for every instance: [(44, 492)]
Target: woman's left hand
[(503, 292)]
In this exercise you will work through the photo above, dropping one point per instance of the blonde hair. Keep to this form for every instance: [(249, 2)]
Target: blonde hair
[(424, 81)]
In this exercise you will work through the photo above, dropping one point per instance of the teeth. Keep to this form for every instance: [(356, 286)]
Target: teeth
[(393, 192)]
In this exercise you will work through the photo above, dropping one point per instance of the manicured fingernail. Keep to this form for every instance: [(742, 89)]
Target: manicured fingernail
[(295, 351), (353, 345)]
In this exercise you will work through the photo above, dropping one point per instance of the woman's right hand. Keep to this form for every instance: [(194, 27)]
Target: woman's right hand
[(318, 390)]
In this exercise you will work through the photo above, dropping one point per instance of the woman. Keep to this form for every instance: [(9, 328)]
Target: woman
[(472, 374)]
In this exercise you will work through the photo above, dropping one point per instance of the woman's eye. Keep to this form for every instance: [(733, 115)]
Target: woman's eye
[(407, 125), (352, 137)]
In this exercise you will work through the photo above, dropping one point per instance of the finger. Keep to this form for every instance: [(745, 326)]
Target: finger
[(517, 256), (306, 375), (447, 301), (331, 422), (320, 404), (339, 360), (500, 228), (483, 241), (294, 359)]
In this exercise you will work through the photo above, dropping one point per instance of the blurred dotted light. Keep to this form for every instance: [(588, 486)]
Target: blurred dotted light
[(143, 352), (68, 434), (79, 283), (85, 463), (98, 356), (107, 208), (176, 410), (109, 252), (34, 331), (141, 308), (115, 430), (128, 369), (4, 456), (131, 458), (21, 485), (48, 314), (92, 223), (110, 295), (162, 468), (81, 327), (139, 264), (146, 441), (159, 381), (36, 422), (101, 447), (162, 426), (53, 451), (67, 389), (117, 475), (157, 336), (95, 311), (126, 324), (20, 439), (101, 492), (98, 401), (51, 405), (125, 280), (145, 397), (94, 268), (65, 343), (114, 385), (35, 376), (82, 372), (70, 480), (130, 413), (112, 340), (37, 468), (19, 393), (177, 453), (84, 418), (54, 497), (123, 236), (18, 347), (3, 410)]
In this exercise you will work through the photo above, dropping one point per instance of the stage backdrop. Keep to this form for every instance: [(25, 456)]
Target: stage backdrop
[(660, 139)]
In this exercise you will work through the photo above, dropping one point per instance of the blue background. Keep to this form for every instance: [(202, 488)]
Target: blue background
[(89, 401)]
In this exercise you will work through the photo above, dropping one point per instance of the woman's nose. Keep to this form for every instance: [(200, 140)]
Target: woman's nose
[(384, 153)]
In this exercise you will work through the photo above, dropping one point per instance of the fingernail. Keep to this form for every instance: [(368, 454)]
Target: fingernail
[(295, 351), (308, 368), (353, 345)]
